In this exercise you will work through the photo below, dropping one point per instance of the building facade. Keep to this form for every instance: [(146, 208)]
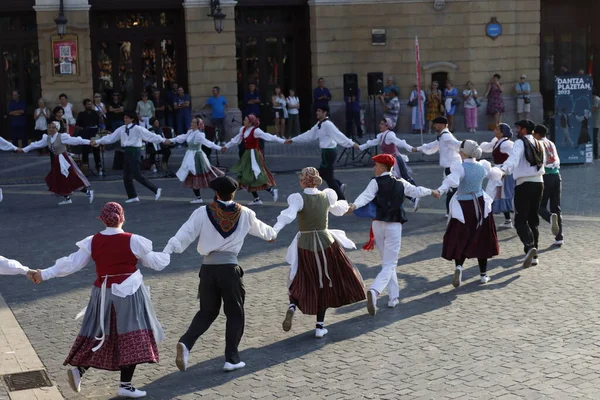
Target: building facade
[(129, 46)]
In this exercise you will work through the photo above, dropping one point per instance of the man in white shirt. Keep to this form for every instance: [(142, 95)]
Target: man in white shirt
[(131, 137), (448, 147), (222, 227), (329, 136), (523, 90), (388, 193), (552, 185), (526, 163)]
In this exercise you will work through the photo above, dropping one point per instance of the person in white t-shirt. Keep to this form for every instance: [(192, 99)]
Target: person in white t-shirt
[(293, 109), (41, 117), (470, 102), (523, 89), (63, 99)]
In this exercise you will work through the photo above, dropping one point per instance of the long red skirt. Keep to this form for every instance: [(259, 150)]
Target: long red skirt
[(346, 283), (463, 241), (65, 185)]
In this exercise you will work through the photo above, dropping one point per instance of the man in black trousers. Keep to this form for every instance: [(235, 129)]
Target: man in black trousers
[(88, 122), (131, 136), (222, 227)]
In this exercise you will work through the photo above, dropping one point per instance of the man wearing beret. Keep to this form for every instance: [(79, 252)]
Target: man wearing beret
[(222, 227), (448, 147), (552, 185), (387, 192), (526, 163)]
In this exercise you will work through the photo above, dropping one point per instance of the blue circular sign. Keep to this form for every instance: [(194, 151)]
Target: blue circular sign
[(493, 30)]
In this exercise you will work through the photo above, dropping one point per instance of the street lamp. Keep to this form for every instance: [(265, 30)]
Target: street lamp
[(61, 21), (217, 14)]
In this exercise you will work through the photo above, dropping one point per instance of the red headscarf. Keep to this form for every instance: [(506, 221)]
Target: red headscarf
[(385, 159), (254, 121), (112, 215)]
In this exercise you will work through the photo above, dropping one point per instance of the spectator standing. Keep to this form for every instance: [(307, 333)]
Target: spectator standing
[(321, 95), (434, 104), (523, 90), (170, 99), (470, 103), (293, 107), (116, 111), (41, 116), (69, 114), (144, 110), (279, 111), (353, 114), (16, 112), (88, 122), (159, 107), (58, 116), (387, 90), (495, 105), (218, 105), (100, 109), (251, 101), (391, 109), (183, 111), (417, 102), (450, 103), (596, 112)]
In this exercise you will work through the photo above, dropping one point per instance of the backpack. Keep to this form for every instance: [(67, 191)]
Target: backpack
[(534, 153)]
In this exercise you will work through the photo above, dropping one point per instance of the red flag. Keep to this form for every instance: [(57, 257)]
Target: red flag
[(419, 102), (590, 70)]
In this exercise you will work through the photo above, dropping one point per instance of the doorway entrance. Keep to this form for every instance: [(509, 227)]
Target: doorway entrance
[(20, 65), (273, 48), (137, 51)]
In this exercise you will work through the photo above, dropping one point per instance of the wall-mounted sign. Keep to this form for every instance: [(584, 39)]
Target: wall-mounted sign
[(65, 56), (378, 37), (493, 29)]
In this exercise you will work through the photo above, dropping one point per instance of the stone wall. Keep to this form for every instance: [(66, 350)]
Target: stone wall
[(452, 40), (79, 86)]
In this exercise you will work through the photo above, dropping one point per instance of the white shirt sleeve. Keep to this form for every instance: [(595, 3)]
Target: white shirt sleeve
[(111, 138), (11, 267), (414, 191), (430, 148), (188, 232), (287, 216), (142, 249), (556, 157), (507, 146), (492, 173), (40, 144), (181, 138), (267, 136), (514, 158), (236, 140), (451, 142), (5, 145), (307, 136), (148, 136), (201, 139), (73, 140), (488, 147), (457, 172), (259, 228), (367, 195), (400, 143), (336, 207), (72, 263), (336, 135), (370, 143)]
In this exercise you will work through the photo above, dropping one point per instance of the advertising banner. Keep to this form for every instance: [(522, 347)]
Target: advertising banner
[(573, 118)]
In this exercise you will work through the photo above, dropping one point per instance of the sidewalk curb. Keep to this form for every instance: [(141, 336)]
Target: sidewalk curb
[(17, 355)]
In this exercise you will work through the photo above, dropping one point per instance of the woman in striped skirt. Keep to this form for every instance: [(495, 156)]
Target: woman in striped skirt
[(321, 275)]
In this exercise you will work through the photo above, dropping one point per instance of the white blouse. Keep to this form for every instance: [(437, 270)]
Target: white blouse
[(140, 247), (64, 137), (68, 115), (11, 267), (6, 145), (258, 133), (389, 139), (197, 137), (292, 101), (506, 145)]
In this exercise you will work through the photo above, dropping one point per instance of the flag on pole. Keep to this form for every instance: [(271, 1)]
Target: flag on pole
[(419, 102)]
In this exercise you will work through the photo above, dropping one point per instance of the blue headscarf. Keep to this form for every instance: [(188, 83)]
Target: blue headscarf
[(506, 131)]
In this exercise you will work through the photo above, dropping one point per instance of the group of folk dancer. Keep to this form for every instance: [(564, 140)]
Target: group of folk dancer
[(120, 329)]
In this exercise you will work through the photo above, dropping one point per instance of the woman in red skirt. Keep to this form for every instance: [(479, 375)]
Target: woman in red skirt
[(321, 275), (471, 232), (120, 329), (64, 177)]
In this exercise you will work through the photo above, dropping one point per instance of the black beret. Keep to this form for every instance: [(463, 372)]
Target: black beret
[(224, 185), (541, 129), (440, 120)]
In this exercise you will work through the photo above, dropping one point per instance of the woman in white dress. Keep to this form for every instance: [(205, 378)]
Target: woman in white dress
[(418, 110), (196, 171)]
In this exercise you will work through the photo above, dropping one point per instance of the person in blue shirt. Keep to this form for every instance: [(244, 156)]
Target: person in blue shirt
[(170, 97), (251, 101), (387, 90), (353, 114), (321, 95), (182, 105), (16, 112), (219, 107)]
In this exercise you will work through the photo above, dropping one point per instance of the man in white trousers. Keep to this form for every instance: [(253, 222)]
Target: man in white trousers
[(387, 192)]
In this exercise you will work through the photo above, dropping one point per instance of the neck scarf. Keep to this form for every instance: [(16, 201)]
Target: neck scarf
[(224, 218)]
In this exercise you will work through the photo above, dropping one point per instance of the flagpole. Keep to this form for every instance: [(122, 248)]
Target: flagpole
[(419, 102)]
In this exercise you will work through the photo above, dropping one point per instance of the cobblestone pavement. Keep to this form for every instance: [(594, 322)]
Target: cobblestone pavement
[(528, 334)]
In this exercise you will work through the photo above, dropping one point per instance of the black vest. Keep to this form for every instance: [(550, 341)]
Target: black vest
[(389, 199)]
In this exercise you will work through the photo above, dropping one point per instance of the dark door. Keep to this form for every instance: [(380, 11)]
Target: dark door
[(133, 52), (20, 65), (273, 48)]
